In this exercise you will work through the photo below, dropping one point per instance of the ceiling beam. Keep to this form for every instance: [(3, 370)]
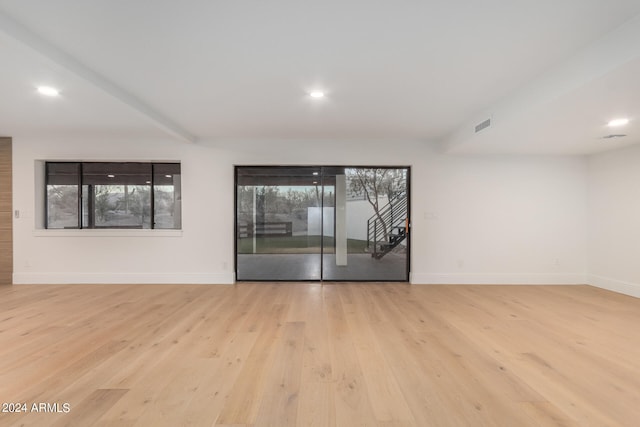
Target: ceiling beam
[(27, 37)]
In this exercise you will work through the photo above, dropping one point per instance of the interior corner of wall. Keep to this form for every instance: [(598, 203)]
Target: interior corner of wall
[(39, 194)]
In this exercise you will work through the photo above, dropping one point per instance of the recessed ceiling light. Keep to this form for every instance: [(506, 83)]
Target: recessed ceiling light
[(48, 91), (316, 94), (315, 173), (168, 176), (111, 176), (618, 122)]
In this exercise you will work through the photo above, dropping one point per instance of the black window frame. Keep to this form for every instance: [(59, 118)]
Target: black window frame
[(80, 183)]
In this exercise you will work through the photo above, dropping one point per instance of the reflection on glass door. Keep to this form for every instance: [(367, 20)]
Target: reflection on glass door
[(322, 223)]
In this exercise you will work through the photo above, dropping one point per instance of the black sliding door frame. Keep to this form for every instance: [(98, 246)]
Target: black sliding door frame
[(322, 179)]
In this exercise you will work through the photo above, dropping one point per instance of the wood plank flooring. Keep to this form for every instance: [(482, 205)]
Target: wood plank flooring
[(305, 354)]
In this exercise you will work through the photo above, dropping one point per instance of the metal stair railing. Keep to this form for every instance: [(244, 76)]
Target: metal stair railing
[(388, 228)]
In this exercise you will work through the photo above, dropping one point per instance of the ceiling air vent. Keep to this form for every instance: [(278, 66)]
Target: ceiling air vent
[(483, 125)]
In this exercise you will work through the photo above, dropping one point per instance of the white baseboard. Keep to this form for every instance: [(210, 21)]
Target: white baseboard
[(497, 279), (123, 278), (627, 288)]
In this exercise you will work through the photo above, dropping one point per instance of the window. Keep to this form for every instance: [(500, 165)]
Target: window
[(63, 194), (113, 195)]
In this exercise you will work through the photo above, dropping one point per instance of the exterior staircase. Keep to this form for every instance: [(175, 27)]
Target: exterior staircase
[(389, 227)]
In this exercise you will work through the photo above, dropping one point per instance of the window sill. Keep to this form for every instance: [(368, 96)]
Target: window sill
[(107, 233)]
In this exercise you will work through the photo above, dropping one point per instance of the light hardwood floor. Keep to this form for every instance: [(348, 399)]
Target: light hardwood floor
[(267, 354)]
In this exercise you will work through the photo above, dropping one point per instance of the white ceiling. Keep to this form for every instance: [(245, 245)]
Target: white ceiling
[(550, 73)]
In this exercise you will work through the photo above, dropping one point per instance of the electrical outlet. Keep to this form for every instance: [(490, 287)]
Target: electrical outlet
[(16, 214)]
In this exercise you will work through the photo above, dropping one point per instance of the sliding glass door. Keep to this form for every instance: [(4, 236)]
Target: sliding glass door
[(322, 223), (370, 220)]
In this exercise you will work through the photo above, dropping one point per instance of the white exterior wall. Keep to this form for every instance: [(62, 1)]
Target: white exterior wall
[(487, 219), (320, 226), (358, 212)]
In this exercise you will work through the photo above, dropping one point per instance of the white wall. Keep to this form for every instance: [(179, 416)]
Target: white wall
[(614, 220), (358, 212), (475, 219), (320, 221), (498, 219)]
